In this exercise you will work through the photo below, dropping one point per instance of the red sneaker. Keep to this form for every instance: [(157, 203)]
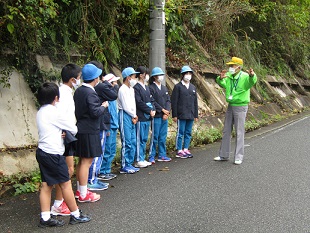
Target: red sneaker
[(77, 194), (62, 210), (90, 197)]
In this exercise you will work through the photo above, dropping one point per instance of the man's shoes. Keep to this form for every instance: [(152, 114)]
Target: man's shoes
[(181, 154), (98, 186), (81, 219), (218, 158), (164, 159), (106, 176), (189, 154), (62, 210), (141, 164), (152, 160), (127, 170), (238, 162), (90, 197), (51, 222)]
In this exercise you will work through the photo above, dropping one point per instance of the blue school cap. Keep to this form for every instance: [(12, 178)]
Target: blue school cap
[(90, 72), (128, 71)]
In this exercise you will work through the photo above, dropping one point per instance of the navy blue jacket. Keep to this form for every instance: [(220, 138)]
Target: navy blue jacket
[(88, 110), (106, 92), (184, 102), (161, 99), (142, 97)]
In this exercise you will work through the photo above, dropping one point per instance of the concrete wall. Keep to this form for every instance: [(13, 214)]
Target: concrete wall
[(18, 137), (17, 126)]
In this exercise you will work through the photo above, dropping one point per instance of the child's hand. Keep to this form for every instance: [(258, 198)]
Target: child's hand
[(165, 117), (105, 104), (223, 74), (152, 113), (175, 119)]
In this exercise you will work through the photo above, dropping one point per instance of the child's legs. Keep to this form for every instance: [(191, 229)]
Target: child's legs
[(84, 165), (106, 154), (142, 129), (180, 134), (155, 126), (133, 142), (45, 197), (96, 164), (162, 138), (188, 133), (126, 129), (70, 163), (112, 149), (66, 189)]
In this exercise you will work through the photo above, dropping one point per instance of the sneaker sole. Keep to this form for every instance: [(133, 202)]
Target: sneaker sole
[(97, 189), (123, 172), (59, 214), (83, 201)]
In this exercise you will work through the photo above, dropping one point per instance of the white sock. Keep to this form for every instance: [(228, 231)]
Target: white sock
[(76, 213), (77, 185), (46, 215), (83, 190), (179, 151), (185, 149), (57, 203)]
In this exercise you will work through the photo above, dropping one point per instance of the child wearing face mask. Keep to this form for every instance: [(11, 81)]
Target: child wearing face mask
[(184, 111), (159, 124), (145, 112), (127, 120), (70, 76)]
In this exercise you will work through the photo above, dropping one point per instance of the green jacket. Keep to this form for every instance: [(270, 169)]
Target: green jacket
[(237, 88)]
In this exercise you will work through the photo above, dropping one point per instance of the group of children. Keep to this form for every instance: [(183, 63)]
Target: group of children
[(82, 120)]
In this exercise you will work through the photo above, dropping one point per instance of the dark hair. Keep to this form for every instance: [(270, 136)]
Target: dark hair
[(142, 70), (100, 66), (70, 71), (47, 93)]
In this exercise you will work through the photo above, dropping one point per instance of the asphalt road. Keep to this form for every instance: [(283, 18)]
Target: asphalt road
[(269, 192)]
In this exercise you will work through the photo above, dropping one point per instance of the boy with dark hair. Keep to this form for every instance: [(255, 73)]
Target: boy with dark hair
[(70, 75), (49, 155)]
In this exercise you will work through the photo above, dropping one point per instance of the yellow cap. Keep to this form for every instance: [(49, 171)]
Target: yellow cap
[(235, 61)]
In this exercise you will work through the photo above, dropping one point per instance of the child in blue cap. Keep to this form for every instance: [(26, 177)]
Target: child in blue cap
[(184, 111)]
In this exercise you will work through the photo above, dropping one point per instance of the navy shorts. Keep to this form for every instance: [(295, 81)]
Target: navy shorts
[(53, 168)]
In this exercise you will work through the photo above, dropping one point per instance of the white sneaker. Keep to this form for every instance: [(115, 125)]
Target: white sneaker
[(140, 164), (147, 163), (238, 162), (218, 158)]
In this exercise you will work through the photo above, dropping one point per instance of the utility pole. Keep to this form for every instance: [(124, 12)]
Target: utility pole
[(157, 55)]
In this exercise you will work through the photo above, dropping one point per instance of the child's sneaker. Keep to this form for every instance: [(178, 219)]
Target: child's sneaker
[(81, 219), (127, 170), (147, 163), (90, 197), (218, 158), (97, 186), (140, 164), (164, 159), (152, 160), (106, 176), (189, 154), (181, 155), (134, 168), (62, 210), (77, 194), (51, 222)]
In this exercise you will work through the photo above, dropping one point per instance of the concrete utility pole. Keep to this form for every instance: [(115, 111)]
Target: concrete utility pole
[(157, 56)]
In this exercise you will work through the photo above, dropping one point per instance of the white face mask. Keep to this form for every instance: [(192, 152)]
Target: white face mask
[(232, 70), (147, 77), (132, 82), (187, 77), (160, 78), (76, 84)]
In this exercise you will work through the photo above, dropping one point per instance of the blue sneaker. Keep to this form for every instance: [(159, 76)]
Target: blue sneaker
[(134, 168), (97, 186), (164, 159), (152, 160), (127, 170)]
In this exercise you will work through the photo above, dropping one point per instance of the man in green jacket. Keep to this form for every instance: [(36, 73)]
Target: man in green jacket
[(237, 84)]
